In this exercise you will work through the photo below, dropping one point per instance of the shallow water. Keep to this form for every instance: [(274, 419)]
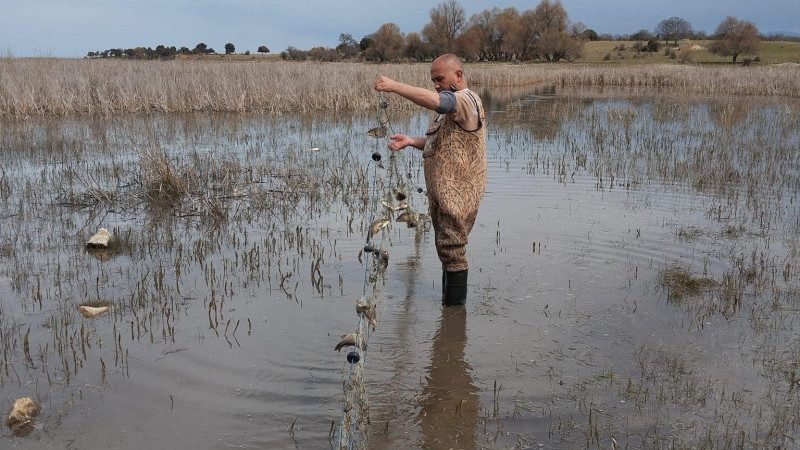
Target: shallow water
[(227, 303)]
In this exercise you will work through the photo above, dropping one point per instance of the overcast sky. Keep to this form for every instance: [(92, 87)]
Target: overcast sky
[(72, 28)]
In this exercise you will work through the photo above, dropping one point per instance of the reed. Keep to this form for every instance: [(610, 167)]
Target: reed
[(66, 87)]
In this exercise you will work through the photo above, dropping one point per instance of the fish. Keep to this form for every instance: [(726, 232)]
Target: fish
[(409, 217), (383, 260), (391, 207), (367, 249), (367, 310), (376, 226), (351, 339), (377, 132)]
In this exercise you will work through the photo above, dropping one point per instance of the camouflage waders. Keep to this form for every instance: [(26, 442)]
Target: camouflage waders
[(455, 175)]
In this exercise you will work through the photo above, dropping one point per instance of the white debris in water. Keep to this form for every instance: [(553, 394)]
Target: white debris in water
[(92, 311), (100, 239)]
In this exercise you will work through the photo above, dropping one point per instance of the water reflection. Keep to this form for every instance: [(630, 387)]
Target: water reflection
[(449, 413)]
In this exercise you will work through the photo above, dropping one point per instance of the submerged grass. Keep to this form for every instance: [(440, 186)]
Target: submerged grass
[(66, 87), (681, 283)]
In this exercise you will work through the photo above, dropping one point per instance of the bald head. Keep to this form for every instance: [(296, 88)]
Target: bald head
[(450, 60), (447, 73)]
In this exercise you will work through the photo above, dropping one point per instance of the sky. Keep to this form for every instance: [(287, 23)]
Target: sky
[(60, 28)]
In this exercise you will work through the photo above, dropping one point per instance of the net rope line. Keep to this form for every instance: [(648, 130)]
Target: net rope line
[(351, 432)]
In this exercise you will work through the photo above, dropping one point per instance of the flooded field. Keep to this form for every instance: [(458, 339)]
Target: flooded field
[(634, 280)]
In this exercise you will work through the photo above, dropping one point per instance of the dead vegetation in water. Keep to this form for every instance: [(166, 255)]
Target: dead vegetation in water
[(173, 211), (680, 283), (66, 87)]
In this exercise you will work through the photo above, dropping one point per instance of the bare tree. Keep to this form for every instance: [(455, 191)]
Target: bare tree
[(447, 21), (415, 49), (577, 29), (674, 29), (483, 34), (523, 40), (734, 37), (554, 42), (552, 15), (387, 44), (556, 45)]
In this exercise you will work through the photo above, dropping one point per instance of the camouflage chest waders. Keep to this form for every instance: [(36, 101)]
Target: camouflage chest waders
[(455, 175)]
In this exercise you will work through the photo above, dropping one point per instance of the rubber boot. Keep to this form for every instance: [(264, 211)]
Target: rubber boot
[(455, 288), (444, 283)]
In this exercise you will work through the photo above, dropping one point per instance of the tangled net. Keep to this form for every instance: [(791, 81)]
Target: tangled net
[(390, 196)]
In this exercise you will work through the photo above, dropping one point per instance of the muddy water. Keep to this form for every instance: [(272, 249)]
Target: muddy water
[(227, 301)]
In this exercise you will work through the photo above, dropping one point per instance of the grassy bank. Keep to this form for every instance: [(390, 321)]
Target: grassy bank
[(64, 87)]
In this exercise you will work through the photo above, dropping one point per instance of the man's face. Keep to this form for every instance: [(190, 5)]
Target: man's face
[(443, 76)]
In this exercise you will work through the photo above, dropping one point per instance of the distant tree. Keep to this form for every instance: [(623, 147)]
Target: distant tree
[(294, 54), (552, 15), (365, 42), (447, 21), (674, 29), (263, 49), (229, 48), (200, 48), (576, 29), (163, 51), (480, 34), (554, 43), (526, 35), (348, 46), (590, 35), (387, 44), (490, 33), (734, 37), (90, 55), (642, 35), (415, 49), (323, 54)]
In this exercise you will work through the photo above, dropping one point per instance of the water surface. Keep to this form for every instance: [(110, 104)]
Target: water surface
[(227, 299)]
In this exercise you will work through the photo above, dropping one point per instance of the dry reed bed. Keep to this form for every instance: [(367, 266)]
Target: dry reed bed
[(64, 87)]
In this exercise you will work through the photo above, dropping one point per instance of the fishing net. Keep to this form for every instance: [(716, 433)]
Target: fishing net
[(391, 202)]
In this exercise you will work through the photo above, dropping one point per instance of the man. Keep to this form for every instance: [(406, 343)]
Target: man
[(454, 152)]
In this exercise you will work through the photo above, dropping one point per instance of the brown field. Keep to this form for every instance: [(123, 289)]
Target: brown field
[(770, 53), (65, 87)]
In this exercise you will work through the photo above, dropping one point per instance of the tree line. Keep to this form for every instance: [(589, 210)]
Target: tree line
[(544, 33), (164, 52)]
